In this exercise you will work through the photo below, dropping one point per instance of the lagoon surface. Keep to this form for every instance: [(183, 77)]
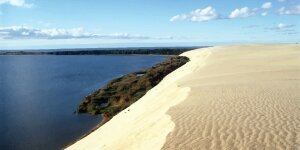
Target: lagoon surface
[(38, 95)]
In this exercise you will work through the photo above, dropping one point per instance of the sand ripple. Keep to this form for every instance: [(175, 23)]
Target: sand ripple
[(251, 108)]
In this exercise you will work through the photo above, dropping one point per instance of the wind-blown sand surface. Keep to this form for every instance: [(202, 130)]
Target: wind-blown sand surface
[(230, 97)]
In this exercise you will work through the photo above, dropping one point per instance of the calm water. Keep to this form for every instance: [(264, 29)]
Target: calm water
[(38, 95)]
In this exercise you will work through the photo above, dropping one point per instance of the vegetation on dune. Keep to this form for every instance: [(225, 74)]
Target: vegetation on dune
[(121, 92)]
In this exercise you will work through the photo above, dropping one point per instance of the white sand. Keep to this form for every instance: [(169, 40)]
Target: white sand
[(231, 97)]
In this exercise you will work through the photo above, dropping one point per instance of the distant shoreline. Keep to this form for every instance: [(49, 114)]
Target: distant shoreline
[(101, 51)]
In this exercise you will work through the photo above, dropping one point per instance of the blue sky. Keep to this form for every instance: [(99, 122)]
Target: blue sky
[(26, 24)]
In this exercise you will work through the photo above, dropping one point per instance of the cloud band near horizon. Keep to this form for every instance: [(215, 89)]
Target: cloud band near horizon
[(209, 13), (23, 32)]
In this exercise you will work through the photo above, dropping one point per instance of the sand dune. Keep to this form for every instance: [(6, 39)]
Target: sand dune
[(245, 97), (230, 97)]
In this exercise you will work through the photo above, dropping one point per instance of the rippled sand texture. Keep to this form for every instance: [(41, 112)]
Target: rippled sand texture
[(244, 97)]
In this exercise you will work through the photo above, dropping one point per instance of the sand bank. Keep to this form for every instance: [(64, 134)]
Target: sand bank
[(231, 97)]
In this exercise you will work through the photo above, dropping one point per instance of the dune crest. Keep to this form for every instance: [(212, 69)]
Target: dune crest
[(144, 124)]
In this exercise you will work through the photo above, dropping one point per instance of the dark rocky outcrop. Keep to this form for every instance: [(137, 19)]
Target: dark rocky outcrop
[(121, 92)]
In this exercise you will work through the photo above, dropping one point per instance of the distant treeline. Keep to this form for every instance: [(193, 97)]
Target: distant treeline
[(143, 51)]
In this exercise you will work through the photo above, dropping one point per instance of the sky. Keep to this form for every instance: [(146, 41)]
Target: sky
[(43, 24)]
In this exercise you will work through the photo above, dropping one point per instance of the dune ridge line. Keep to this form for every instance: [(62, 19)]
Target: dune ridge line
[(145, 124)]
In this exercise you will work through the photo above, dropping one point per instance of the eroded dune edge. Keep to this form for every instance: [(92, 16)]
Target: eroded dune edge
[(229, 97)]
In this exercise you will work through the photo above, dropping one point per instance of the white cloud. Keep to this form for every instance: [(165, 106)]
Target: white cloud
[(17, 3), (264, 14), (179, 17), (120, 36), (285, 29), (24, 32), (198, 15), (205, 14), (209, 13), (266, 5), (295, 10), (281, 26), (242, 13)]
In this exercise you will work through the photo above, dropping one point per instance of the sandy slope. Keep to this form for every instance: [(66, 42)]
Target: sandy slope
[(231, 97), (245, 97)]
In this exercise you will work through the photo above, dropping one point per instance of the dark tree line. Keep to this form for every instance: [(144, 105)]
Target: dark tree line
[(144, 51)]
